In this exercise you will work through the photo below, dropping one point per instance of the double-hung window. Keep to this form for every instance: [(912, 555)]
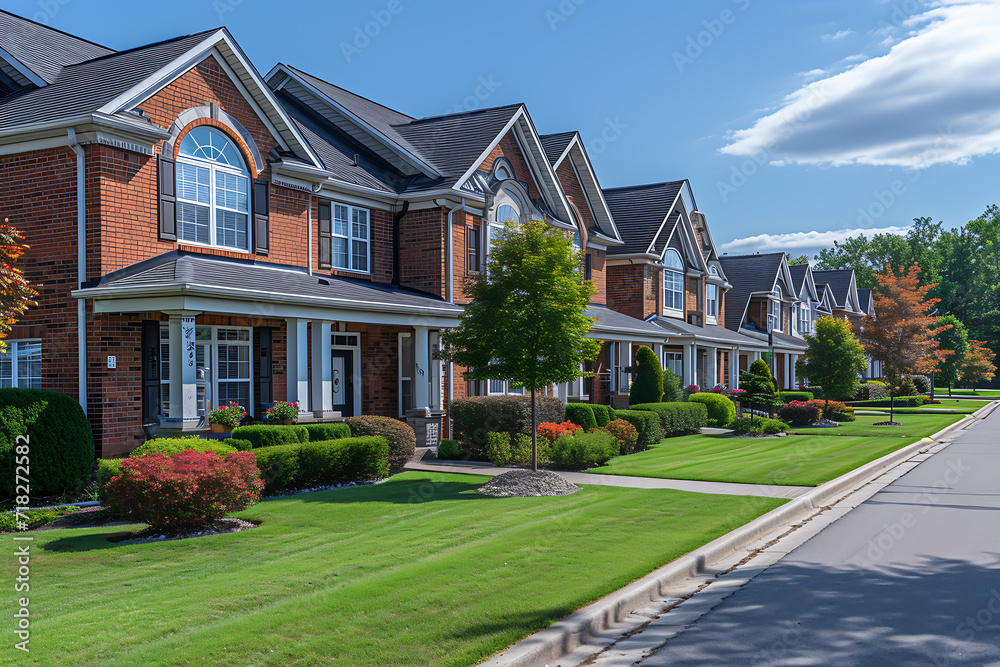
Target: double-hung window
[(774, 311), (674, 362), (473, 243), (344, 237), (803, 323), (712, 303), (223, 362), (21, 365), (673, 283), (213, 190)]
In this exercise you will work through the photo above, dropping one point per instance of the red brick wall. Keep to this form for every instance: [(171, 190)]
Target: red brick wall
[(509, 149), (634, 289), (598, 276), (423, 252)]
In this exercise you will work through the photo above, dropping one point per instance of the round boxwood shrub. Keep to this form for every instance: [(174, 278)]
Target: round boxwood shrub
[(402, 440), (238, 445), (60, 442), (581, 414), (647, 387), (721, 410), (450, 449), (602, 413)]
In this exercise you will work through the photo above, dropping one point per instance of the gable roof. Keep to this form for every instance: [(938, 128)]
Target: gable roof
[(843, 287), (866, 303), (42, 50), (640, 211), (749, 275), (556, 144)]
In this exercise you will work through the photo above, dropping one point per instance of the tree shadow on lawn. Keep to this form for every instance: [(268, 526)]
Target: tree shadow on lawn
[(403, 492), (89, 542)]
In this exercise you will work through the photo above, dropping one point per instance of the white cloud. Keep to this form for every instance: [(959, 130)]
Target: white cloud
[(812, 74), (837, 35), (801, 243), (933, 98)]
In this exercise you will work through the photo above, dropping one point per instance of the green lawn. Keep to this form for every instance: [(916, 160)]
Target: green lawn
[(796, 460), (419, 570), (913, 426), (969, 392), (957, 406)]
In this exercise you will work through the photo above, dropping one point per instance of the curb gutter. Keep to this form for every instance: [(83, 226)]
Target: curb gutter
[(564, 636)]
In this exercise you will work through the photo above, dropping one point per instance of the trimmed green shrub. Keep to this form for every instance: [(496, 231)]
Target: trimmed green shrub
[(647, 387), (171, 446), (761, 367), (521, 450), (678, 418), (106, 469), (60, 442), (238, 445), (581, 414), (343, 460), (279, 467), (323, 432), (721, 410), (646, 423), (400, 436), (450, 449), (922, 383), (584, 450), (760, 426), (473, 418), (871, 391), (498, 448), (672, 392), (803, 396), (602, 413), (271, 435), (799, 413)]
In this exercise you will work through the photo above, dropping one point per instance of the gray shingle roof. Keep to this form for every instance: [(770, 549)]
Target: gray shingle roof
[(865, 300), (43, 50), (86, 87), (638, 211), (711, 332), (839, 281), (555, 144), (798, 272), (179, 270), (747, 274), (612, 320)]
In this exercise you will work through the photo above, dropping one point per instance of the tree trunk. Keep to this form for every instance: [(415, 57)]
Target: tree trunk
[(534, 434)]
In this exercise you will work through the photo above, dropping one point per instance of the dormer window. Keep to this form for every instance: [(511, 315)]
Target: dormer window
[(506, 212), (502, 173), (213, 190), (673, 283)]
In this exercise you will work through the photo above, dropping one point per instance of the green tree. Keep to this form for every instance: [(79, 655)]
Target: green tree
[(16, 294), (761, 367), (793, 261), (526, 321), (956, 339), (834, 359), (647, 387), (759, 387), (672, 392)]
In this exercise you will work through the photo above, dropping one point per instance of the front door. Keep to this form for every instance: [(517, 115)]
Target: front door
[(343, 382)]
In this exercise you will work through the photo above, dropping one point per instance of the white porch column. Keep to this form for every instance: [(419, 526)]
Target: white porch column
[(624, 359), (421, 358), (658, 350), (298, 363), (183, 372), (690, 363), (322, 367), (712, 369), (794, 360)]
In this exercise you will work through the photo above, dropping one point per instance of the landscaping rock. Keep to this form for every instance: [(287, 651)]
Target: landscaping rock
[(528, 484), (826, 423)]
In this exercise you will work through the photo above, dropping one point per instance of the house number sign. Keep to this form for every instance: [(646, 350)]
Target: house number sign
[(187, 341)]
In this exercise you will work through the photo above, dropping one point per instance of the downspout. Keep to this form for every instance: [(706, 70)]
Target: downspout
[(396, 248), (309, 235), (81, 264), (450, 288)]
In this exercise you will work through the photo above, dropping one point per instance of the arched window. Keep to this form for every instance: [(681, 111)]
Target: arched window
[(673, 282), (507, 212), (502, 173), (213, 190), (774, 313)]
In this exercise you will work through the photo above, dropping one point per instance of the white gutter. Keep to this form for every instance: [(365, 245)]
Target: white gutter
[(81, 264)]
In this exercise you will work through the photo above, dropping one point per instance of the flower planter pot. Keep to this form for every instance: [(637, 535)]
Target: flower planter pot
[(221, 428)]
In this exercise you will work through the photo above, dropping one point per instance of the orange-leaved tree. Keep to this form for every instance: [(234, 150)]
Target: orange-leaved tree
[(978, 365), (902, 334), (15, 292)]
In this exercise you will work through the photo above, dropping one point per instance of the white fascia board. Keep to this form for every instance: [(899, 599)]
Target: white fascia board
[(597, 185), (627, 335), (539, 163), (23, 69), (633, 258), (489, 149), (403, 153)]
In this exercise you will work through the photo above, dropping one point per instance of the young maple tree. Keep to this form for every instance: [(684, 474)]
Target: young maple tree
[(16, 294), (978, 365), (834, 359), (903, 336)]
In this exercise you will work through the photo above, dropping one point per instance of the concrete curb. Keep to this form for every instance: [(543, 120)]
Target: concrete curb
[(562, 637)]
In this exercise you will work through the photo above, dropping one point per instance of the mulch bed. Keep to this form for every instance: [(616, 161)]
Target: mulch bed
[(528, 484)]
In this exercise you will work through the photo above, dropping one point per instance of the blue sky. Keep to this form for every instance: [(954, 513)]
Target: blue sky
[(787, 117)]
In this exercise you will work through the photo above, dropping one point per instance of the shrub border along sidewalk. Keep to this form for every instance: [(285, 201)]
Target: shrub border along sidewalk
[(563, 636)]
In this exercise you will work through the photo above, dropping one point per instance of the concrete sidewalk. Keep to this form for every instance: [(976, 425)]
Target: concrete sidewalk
[(719, 488)]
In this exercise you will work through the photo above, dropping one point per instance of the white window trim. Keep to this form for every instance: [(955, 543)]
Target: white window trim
[(710, 316), (677, 357), (213, 167), (350, 238), (213, 363), (12, 348), (399, 363)]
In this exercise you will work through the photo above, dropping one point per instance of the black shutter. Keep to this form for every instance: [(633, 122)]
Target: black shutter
[(262, 370), (588, 266), (150, 371), (261, 229), (167, 187), (325, 235)]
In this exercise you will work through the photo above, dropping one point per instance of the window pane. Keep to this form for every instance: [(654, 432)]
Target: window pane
[(238, 392), (193, 183), (360, 255), (231, 229), (496, 386), (234, 362), (7, 367), (360, 227), (340, 220), (340, 253), (29, 365), (231, 191), (192, 222), (673, 290)]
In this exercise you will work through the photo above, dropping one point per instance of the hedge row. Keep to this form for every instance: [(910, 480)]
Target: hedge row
[(475, 417), (302, 465), (899, 402), (721, 410), (646, 423), (676, 418), (268, 435)]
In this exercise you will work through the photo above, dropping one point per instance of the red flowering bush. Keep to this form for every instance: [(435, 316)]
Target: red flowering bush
[(799, 413), (835, 410), (625, 433), (185, 489), (552, 431)]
